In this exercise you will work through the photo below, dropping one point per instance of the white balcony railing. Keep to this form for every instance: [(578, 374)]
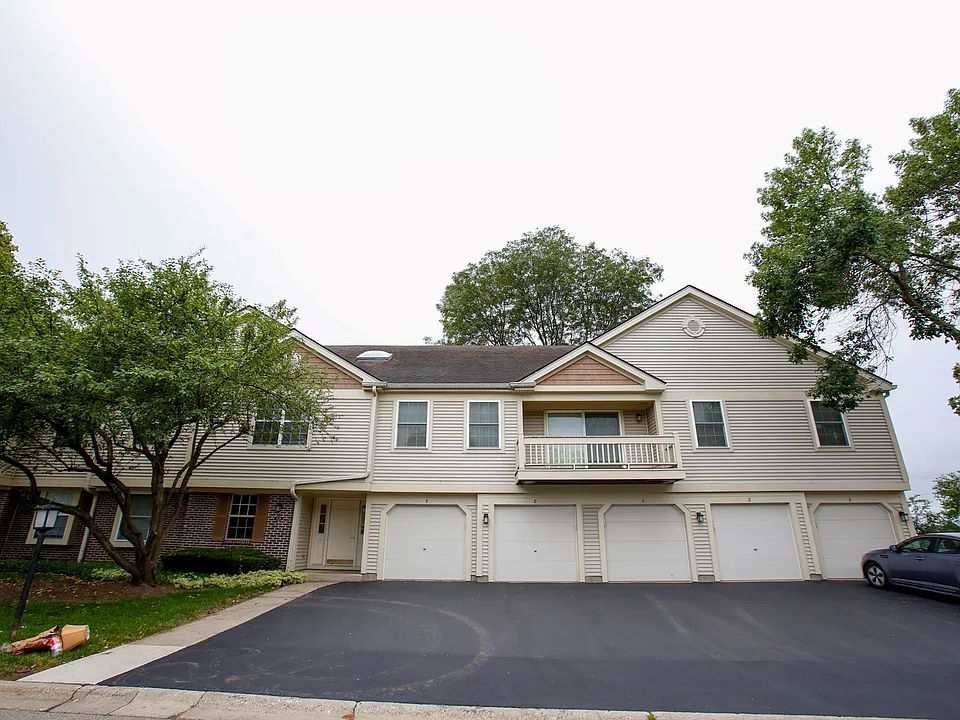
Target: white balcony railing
[(599, 453)]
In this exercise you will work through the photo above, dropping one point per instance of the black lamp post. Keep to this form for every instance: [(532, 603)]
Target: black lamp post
[(44, 521)]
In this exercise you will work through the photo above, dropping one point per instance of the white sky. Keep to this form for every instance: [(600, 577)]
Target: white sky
[(349, 157)]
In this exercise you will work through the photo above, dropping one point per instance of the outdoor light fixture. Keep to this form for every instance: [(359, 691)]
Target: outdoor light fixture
[(44, 520), (904, 516), (486, 518), (701, 518)]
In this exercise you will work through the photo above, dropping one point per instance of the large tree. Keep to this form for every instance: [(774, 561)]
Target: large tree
[(546, 289), (840, 265), (138, 375)]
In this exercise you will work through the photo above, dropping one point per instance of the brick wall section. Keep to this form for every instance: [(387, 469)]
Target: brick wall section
[(194, 529), (16, 517)]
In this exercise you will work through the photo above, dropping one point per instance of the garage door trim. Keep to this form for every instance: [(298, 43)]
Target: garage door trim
[(578, 524), (468, 548), (789, 501), (687, 526), (892, 516)]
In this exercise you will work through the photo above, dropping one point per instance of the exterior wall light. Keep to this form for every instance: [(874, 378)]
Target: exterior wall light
[(903, 516), (701, 518), (486, 518)]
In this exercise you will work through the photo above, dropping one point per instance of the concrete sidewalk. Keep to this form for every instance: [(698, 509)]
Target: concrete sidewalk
[(123, 658), (121, 702)]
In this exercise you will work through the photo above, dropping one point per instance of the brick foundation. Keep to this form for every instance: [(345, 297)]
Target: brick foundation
[(194, 529)]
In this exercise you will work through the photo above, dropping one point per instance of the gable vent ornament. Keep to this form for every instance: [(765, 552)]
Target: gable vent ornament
[(693, 326)]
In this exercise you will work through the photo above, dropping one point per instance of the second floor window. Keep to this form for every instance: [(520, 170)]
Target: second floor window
[(411, 424), (484, 425), (831, 431), (708, 421), (278, 428)]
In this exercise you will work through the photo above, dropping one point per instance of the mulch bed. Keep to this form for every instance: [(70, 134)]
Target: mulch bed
[(61, 588)]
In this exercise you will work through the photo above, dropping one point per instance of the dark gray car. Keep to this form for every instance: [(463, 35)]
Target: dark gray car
[(928, 562)]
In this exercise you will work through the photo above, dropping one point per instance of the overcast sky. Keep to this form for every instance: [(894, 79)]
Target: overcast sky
[(349, 157)]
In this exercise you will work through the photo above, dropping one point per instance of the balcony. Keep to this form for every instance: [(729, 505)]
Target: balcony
[(599, 460)]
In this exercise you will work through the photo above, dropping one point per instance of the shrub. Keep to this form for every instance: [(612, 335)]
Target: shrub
[(256, 579), (72, 568), (219, 561)]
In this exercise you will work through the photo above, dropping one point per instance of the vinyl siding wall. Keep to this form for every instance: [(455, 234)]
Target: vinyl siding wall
[(340, 452), (445, 461), (764, 395)]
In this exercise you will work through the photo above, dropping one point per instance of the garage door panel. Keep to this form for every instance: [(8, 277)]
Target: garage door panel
[(847, 531), (646, 543), (755, 542), (425, 543), (535, 543)]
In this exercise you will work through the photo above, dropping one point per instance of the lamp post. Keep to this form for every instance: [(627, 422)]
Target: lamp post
[(44, 521)]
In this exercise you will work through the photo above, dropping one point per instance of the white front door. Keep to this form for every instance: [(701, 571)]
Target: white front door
[(425, 542), (847, 532), (535, 543), (646, 542), (755, 542), (343, 532)]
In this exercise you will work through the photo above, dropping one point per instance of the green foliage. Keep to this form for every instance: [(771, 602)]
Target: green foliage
[(545, 288), (225, 561), (256, 579), (112, 623), (72, 568), (101, 378), (927, 518), (839, 265)]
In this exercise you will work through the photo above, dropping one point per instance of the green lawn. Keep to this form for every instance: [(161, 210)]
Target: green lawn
[(111, 623)]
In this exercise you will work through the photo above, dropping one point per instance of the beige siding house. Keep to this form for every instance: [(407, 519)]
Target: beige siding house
[(678, 447)]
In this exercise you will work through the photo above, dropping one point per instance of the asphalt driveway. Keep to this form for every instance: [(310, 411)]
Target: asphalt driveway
[(810, 648)]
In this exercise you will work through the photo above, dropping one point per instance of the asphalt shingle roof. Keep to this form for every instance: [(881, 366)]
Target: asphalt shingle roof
[(453, 364)]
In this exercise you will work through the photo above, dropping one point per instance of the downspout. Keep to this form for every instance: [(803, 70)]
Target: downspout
[(86, 529), (295, 525)]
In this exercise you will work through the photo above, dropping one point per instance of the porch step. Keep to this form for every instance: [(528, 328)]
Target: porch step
[(333, 576)]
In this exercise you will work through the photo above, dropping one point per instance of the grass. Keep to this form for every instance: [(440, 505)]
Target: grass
[(111, 623)]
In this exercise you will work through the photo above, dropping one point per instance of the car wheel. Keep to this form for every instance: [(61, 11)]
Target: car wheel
[(875, 575)]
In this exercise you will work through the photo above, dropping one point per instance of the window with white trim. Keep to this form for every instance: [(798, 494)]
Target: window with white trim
[(830, 427), (709, 424), (279, 429), (483, 421), (141, 510), (61, 528), (412, 424), (243, 513)]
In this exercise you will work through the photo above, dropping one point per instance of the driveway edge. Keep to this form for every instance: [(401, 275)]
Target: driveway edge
[(123, 658), (97, 700)]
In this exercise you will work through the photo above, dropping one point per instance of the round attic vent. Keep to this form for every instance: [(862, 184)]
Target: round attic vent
[(693, 327), (374, 355)]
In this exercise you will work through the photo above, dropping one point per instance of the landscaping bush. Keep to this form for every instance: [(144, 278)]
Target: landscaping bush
[(218, 561), (256, 579), (84, 570)]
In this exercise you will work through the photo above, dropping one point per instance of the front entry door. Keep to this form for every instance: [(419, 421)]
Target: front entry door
[(342, 535)]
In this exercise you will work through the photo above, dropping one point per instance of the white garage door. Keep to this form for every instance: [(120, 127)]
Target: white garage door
[(646, 542), (755, 542), (536, 543), (425, 542), (847, 532)]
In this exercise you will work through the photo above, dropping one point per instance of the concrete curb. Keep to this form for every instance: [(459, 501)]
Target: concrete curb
[(97, 700), (123, 658)]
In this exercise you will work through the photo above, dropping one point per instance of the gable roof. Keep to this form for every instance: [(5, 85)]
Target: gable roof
[(651, 382), (725, 308), (452, 364)]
